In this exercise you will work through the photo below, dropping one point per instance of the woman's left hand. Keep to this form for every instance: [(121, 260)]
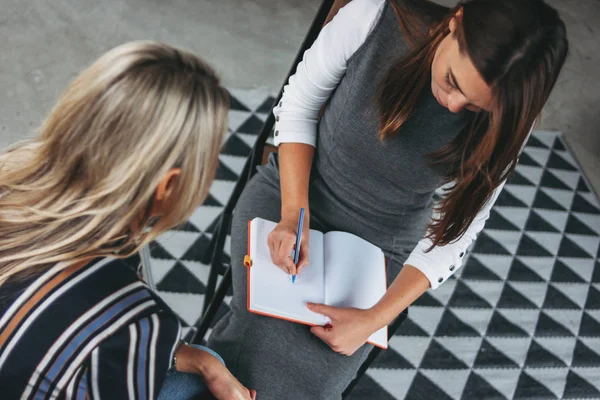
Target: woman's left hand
[(224, 386), (349, 330), (221, 383)]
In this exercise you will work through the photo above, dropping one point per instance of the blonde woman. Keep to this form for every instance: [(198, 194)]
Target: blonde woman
[(129, 151)]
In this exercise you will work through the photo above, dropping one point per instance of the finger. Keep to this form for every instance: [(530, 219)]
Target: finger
[(287, 264), (285, 269), (253, 394), (274, 243), (272, 248), (329, 311), (284, 253), (301, 265), (291, 267), (283, 266), (303, 262), (322, 333), (275, 258)]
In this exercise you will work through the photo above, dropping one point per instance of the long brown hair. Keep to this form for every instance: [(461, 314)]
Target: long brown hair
[(518, 47)]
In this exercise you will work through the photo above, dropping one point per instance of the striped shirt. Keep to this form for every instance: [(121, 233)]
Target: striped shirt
[(85, 332)]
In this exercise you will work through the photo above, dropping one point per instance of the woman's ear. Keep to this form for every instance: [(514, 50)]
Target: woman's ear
[(164, 192)]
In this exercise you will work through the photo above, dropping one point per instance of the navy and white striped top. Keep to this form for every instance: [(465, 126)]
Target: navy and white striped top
[(85, 332)]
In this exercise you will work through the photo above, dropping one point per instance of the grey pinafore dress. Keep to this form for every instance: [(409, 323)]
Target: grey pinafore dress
[(380, 191)]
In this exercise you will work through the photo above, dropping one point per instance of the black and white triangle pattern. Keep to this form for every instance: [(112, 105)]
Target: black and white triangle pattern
[(521, 320)]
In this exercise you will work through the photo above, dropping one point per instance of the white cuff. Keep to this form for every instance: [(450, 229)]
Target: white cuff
[(438, 264), (305, 137)]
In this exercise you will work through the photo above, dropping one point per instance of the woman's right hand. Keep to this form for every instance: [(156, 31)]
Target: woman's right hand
[(282, 241)]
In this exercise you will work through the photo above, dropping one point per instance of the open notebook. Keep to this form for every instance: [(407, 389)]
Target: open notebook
[(344, 271)]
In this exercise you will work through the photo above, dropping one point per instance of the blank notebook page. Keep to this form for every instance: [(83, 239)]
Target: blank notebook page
[(354, 274), (272, 291)]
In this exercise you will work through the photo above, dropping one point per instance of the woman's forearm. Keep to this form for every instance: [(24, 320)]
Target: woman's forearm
[(195, 361), (188, 359), (406, 288), (295, 161)]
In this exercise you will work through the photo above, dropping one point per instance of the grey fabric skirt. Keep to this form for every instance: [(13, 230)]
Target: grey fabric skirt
[(281, 359)]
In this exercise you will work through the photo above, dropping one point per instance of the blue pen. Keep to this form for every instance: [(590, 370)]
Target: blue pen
[(298, 239)]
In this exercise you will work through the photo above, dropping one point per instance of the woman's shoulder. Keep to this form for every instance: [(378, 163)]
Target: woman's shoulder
[(71, 311), (106, 290), (66, 293), (114, 280), (362, 12)]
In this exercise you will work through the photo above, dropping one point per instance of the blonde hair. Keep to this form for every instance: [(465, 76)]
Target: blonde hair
[(75, 191)]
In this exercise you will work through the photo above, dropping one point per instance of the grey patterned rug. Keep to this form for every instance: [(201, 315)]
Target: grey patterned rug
[(521, 320)]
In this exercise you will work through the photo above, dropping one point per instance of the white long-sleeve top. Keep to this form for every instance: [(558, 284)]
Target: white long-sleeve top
[(320, 71)]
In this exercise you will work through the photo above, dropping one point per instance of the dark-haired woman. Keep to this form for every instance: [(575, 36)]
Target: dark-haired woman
[(417, 96)]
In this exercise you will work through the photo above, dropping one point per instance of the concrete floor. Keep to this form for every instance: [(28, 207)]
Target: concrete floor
[(251, 42)]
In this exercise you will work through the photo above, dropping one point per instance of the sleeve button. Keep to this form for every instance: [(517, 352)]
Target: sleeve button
[(440, 280), (461, 254), (452, 267)]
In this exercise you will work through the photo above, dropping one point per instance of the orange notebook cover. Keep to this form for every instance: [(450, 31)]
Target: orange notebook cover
[(344, 271)]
